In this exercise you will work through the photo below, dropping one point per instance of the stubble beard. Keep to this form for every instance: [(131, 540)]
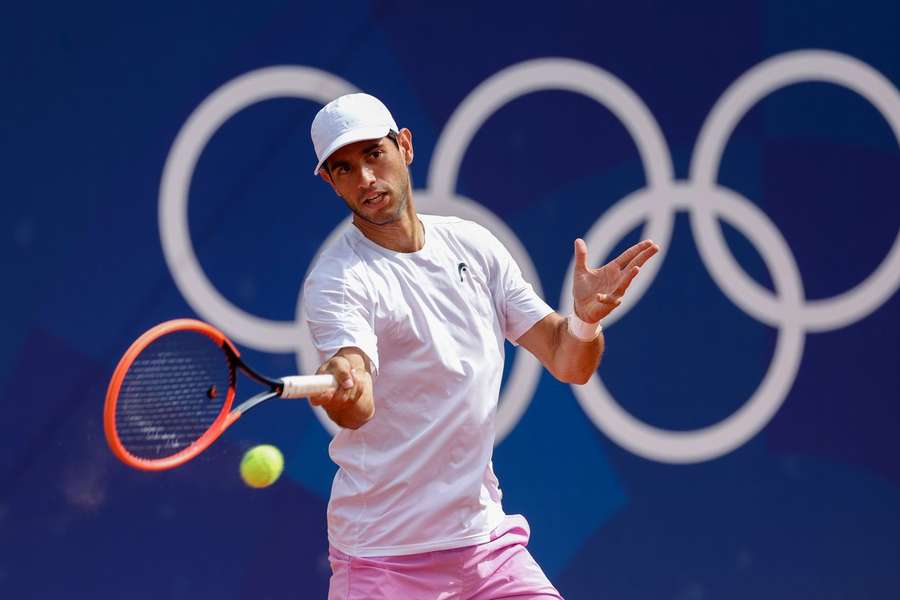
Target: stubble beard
[(394, 215)]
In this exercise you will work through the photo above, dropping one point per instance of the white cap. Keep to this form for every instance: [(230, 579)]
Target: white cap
[(348, 119)]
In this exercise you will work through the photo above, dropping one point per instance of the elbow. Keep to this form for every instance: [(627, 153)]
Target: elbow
[(576, 376), (581, 378), (355, 421), (579, 372)]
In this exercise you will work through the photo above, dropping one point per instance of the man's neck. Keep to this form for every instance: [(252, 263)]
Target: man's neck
[(403, 235)]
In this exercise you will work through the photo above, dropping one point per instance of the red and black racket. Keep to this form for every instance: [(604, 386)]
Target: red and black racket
[(172, 392)]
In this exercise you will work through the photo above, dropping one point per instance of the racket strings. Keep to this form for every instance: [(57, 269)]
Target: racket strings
[(172, 393)]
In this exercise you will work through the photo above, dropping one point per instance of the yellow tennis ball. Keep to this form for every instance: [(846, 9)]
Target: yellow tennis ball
[(261, 466)]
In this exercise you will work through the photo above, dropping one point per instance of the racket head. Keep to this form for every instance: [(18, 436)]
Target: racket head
[(171, 394)]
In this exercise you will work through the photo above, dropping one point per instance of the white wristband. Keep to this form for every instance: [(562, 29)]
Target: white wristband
[(586, 332)]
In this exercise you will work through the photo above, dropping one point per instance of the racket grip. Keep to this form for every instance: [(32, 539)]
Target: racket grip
[(300, 386)]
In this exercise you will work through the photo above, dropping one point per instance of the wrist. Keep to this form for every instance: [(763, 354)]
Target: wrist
[(581, 330)]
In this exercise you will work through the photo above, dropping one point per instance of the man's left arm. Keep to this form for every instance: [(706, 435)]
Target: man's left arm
[(571, 347)]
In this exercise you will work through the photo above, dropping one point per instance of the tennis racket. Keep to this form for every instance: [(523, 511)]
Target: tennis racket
[(171, 394)]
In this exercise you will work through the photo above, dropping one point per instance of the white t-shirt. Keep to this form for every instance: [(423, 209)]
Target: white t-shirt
[(418, 476)]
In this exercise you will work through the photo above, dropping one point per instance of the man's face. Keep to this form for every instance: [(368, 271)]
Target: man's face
[(372, 177)]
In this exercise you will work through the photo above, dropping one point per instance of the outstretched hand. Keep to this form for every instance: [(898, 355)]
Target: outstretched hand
[(598, 291)]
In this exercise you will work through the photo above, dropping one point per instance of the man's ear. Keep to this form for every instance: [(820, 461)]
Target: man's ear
[(404, 140), (326, 177)]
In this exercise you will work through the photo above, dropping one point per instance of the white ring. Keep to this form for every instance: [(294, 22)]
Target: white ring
[(491, 95), (482, 102), (709, 442), (574, 76), (540, 75), (221, 105)]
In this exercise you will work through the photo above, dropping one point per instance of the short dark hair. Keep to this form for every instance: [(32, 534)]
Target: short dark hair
[(391, 134)]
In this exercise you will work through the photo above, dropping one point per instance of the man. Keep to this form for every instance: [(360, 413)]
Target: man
[(410, 313)]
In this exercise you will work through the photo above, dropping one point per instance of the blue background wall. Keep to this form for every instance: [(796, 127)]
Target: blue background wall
[(94, 95)]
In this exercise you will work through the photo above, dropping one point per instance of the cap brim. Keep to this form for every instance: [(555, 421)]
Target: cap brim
[(351, 137)]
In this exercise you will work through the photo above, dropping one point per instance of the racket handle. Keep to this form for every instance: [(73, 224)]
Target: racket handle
[(300, 386)]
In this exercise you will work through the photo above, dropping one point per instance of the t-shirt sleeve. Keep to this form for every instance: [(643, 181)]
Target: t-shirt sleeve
[(339, 312), (518, 304)]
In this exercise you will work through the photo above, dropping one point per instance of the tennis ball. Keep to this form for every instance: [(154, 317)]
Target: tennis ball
[(261, 466)]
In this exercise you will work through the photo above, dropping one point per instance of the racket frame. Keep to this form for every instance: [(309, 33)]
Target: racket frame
[(223, 420)]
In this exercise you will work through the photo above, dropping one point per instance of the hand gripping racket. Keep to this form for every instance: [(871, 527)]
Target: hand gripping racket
[(171, 394)]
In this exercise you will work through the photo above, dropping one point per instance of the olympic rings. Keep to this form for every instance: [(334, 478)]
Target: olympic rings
[(786, 309)]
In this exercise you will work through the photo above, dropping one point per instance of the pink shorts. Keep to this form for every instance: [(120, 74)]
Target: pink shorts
[(500, 568)]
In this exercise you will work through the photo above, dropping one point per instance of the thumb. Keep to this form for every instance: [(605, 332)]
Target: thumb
[(343, 372), (580, 255), (345, 379)]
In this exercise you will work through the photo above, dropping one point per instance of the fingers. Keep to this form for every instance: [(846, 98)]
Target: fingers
[(611, 300), (643, 256), (623, 260), (626, 281), (597, 307), (601, 304), (347, 380), (637, 255), (580, 255)]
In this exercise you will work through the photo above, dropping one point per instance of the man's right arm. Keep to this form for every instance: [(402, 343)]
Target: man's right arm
[(351, 405)]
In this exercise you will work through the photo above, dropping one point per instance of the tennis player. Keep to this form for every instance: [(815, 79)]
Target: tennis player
[(409, 312)]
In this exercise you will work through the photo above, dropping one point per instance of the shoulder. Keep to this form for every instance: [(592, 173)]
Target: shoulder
[(339, 261), (465, 231)]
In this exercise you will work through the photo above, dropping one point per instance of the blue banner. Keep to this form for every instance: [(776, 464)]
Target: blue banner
[(740, 437)]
